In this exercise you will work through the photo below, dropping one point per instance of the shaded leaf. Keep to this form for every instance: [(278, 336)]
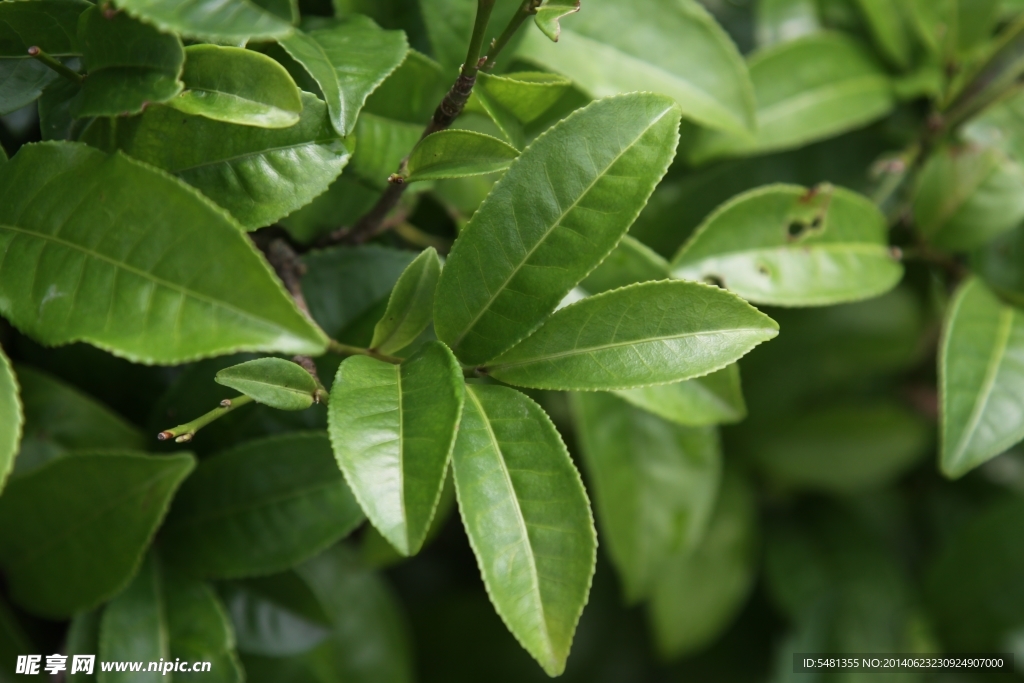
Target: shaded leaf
[(257, 174), (410, 305), (237, 86), (198, 630), (999, 264), (712, 399), (224, 20), (654, 484), (393, 428), (966, 196), (275, 616), (791, 246), (527, 517), (130, 65), (59, 419), (548, 15), (672, 47), (981, 366), (125, 283), (780, 21), (842, 449), (51, 25), (630, 262), (807, 90), (260, 508), (12, 418), (524, 94), (86, 543), (649, 333), (890, 27), (554, 215), (132, 627), (458, 153), (275, 382), (22, 81), (348, 60), (700, 592), (56, 122), (83, 639), (381, 144)]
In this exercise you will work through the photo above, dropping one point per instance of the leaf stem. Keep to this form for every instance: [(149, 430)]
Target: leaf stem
[(526, 10), (184, 433), (35, 53), (349, 350)]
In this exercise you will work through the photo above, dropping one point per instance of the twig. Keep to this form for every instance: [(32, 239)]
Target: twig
[(526, 10), (290, 269), (309, 366), (184, 433), (35, 53), (349, 350)]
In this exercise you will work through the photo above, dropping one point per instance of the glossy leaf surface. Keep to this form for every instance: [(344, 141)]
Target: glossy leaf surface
[(51, 25), (527, 517), (654, 485), (127, 284), (807, 90), (11, 417), (348, 60), (130, 65), (551, 12), (967, 196), (712, 399), (393, 428), (672, 47), (103, 510), (237, 86), (458, 153), (524, 94), (275, 382), (981, 366), (259, 508), (410, 304), (791, 246), (700, 592), (554, 215), (225, 20), (257, 174), (650, 333)]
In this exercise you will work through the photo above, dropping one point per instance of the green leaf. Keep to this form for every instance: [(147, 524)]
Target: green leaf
[(458, 153), (238, 86), (966, 196), (368, 642), (126, 282), (275, 382), (381, 144), (842, 449), (999, 264), (449, 26), (526, 95), (791, 246), (22, 81), (60, 419), (654, 485), (972, 587), (650, 333), (257, 174), (216, 20), (548, 15), (276, 615), (198, 630), (393, 427), (807, 90), (130, 65), (12, 418), (410, 304), (378, 553), (83, 638), (528, 519), (630, 262), (85, 544), (286, 9), (348, 60), (56, 122), (713, 399), (51, 25), (347, 285), (780, 21), (889, 26), (554, 215), (132, 627), (260, 508), (699, 593), (673, 47), (344, 202), (981, 367)]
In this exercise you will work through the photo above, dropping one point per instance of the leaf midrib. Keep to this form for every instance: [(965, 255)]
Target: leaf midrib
[(829, 91), (534, 575), (217, 303), (314, 142), (615, 345), (842, 247), (555, 224)]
